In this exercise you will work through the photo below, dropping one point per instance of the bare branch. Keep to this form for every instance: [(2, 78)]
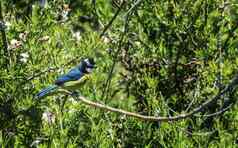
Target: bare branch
[(230, 88), (127, 113)]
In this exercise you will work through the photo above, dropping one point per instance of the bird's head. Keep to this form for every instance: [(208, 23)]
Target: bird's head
[(87, 65)]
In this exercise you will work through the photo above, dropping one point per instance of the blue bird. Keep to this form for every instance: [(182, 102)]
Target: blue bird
[(70, 81)]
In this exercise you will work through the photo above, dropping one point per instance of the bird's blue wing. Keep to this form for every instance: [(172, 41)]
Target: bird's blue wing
[(72, 75)]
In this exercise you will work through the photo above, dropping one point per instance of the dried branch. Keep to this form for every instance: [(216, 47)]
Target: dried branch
[(127, 113), (229, 88)]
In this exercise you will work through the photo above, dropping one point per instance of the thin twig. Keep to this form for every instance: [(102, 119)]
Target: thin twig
[(220, 50), (194, 96), (229, 88), (218, 113), (112, 20), (114, 61), (108, 82), (196, 133), (96, 13), (133, 7)]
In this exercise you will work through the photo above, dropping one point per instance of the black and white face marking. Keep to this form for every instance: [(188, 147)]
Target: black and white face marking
[(89, 66), (88, 63)]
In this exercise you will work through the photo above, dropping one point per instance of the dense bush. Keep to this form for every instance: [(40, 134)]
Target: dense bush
[(155, 58)]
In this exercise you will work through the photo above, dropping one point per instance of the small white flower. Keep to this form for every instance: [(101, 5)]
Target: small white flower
[(106, 39), (8, 25), (65, 12), (48, 117), (44, 39), (15, 44), (137, 43), (35, 143), (24, 57), (110, 131), (23, 36), (13, 41), (71, 111), (77, 35), (72, 100), (23, 60), (64, 15)]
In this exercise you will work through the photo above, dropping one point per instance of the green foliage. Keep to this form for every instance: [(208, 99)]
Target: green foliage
[(170, 56)]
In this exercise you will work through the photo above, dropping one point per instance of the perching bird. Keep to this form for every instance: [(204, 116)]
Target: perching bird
[(70, 81)]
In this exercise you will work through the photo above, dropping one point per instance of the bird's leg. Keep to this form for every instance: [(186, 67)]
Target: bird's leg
[(75, 94)]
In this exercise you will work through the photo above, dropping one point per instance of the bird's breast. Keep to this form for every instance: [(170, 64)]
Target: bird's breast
[(72, 85)]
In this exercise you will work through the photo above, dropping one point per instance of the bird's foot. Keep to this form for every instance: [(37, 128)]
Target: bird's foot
[(74, 94)]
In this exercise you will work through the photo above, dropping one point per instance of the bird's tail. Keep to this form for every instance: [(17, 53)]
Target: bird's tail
[(46, 91)]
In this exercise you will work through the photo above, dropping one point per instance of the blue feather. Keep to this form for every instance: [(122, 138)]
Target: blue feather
[(46, 91), (72, 75)]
